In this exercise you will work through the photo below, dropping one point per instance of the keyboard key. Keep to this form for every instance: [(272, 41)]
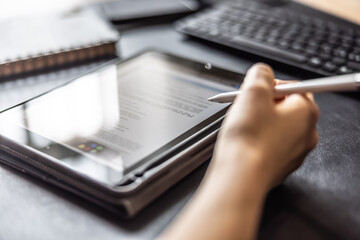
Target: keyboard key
[(354, 57), (340, 52), (354, 65), (324, 56), (275, 33), (319, 23), (288, 37), (304, 19), (346, 40), (259, 38), (272, 40), (310, 52), (315, 61), (326, 48), (313, 43), (225, 35), (344, 70), (333, 39), (269, 50), (357, 41), (284, 44), (329, 66), (349, 32), (338, 61), (297, 46), (332, 26)]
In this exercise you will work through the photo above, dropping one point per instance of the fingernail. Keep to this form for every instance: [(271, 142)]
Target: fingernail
[(261, 67), (260, 70)]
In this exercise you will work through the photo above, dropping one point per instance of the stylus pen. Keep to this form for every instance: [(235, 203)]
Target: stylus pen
[(349, 82)]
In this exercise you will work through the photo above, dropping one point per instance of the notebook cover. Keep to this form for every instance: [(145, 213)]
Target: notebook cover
[(37, 43)]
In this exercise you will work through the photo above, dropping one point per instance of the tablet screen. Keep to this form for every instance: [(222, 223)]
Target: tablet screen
[(108, 122)]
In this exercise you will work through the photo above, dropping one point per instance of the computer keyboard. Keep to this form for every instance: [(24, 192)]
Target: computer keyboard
[(290, 33)]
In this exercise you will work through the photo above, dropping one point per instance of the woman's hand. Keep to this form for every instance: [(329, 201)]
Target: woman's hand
[(273, 137), (261, 141)]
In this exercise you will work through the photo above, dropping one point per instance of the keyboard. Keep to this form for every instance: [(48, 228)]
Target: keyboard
[(286, 32)]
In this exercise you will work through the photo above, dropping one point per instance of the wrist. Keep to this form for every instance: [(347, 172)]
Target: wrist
[(237, 165)]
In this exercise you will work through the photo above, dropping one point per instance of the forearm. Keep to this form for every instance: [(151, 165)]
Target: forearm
[(227, 205)]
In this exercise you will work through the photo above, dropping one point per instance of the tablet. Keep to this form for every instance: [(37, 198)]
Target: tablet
[(115, 134)]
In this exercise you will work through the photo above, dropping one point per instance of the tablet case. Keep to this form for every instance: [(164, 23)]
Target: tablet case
[(128, 200)]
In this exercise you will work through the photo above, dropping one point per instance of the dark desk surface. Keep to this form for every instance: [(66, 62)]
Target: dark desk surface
[(319, 201)]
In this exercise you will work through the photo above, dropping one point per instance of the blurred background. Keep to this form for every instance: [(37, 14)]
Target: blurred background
[(348, 9)]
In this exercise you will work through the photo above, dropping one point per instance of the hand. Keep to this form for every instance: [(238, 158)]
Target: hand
[(261, 141), (268, 137)]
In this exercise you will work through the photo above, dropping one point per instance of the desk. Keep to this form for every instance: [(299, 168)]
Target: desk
[(348, 9), (319, 201)]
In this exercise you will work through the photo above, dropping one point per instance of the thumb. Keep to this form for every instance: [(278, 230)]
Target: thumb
[(259, 84)]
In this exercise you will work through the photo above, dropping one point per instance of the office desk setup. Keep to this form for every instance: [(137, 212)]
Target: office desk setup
[(318, 201)]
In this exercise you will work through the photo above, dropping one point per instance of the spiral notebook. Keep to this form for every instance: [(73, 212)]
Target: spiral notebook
[(29, 45)]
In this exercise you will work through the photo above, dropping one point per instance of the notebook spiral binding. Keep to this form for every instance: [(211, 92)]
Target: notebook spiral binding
[(52, 60)]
